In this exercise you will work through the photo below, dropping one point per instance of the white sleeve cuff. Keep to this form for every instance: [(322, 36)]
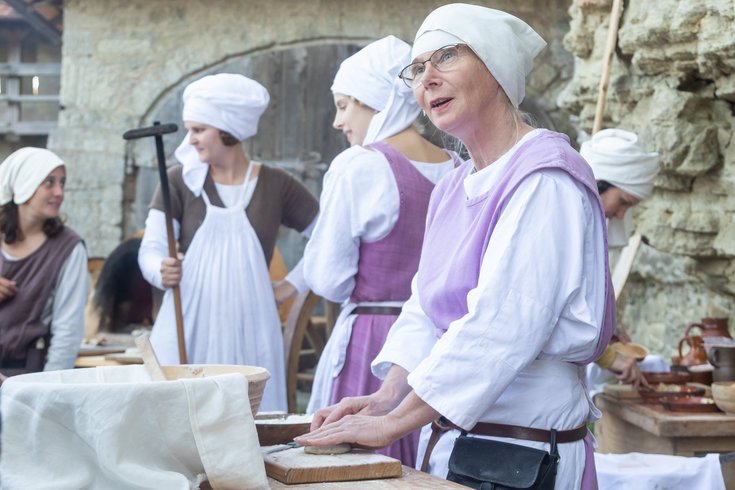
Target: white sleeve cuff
[(296, 277)]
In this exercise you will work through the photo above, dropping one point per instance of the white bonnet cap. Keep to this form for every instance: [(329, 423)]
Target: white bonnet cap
[(227, 101), (23, 171), (619, 157), (371, 76), (504, 43)]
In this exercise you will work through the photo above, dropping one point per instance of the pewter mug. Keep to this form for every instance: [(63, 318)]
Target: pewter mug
[(722, 357)]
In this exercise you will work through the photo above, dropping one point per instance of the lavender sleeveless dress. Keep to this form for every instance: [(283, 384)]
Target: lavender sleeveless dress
[(385, 270), (451, 268)]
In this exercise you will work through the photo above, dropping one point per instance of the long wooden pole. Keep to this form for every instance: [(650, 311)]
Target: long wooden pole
[(612, 38), (171, 244), (158, 130)]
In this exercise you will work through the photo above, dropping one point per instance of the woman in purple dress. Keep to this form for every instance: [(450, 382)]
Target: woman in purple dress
[(365, 247), (512, 295)]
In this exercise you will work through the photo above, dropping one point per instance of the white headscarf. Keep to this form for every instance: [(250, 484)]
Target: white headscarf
[(618, 157), (505, 43), (226, 101), (23, 171), (371, 76)]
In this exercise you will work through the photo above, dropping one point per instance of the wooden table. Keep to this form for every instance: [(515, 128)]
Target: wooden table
[(629, 425), (411, 478)]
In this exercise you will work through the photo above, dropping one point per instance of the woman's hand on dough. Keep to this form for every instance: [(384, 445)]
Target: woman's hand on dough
[(359, 430)]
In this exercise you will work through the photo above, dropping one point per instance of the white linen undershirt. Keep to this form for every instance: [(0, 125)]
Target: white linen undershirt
[(550, 271), (359, 202), (64, 309)]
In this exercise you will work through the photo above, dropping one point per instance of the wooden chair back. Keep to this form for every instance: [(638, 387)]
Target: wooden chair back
[(296, 326)]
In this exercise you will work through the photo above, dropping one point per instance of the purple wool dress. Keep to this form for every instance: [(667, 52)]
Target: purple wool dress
[(451, 268), (385, 270)]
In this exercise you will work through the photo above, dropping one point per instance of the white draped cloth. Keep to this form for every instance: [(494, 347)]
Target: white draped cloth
[(504, 43), (478, 342), (359, 203), (371, 76), (113, 428), (619, 157)]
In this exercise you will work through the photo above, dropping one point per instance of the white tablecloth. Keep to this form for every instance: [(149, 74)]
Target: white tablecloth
[(637, 471)]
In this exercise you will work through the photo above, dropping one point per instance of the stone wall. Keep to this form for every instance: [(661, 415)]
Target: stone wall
[(120, 59), (673, 82)]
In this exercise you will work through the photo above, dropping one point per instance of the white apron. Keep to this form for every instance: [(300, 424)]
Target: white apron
[(229, 310)]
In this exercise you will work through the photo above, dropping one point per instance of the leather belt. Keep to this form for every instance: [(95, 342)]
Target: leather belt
[(528, 433), (442, 425), (377, 310)]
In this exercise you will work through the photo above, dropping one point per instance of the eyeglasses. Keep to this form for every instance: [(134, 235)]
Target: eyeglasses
[(441, 59)]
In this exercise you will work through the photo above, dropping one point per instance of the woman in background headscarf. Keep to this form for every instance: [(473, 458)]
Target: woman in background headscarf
[(227, 210), (512, 294), (43, 267), (366, 243), (625, 171)]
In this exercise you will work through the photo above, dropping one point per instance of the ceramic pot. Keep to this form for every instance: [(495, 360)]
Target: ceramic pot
[(710, 327), (696, 355), (702, 373)]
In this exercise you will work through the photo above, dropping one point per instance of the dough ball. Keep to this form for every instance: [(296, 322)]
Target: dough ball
[(336, 449)]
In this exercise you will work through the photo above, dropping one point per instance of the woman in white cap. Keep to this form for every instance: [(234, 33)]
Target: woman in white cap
[(625, 171), (227, 210), (365, 247), (512, 295), (43, 267)]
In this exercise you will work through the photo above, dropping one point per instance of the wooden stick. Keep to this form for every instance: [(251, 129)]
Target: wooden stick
[(612, 38), (143, 342), (624, 264), (171, 244), (157, 131)]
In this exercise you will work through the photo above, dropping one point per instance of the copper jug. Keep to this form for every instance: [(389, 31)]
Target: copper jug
[(710, 327), (696, 355)]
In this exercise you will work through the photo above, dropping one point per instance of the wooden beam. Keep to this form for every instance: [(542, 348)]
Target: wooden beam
[(29, 69), (28, 98), (45, 28), (27, 128)]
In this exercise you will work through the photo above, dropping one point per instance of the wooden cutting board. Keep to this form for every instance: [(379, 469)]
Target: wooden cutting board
[(621, 390), (294, 466)]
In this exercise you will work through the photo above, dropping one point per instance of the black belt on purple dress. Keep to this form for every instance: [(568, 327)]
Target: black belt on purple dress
[(377, 310)]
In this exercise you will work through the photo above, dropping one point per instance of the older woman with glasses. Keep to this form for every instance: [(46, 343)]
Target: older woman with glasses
[(365, 247), (512, 295)]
